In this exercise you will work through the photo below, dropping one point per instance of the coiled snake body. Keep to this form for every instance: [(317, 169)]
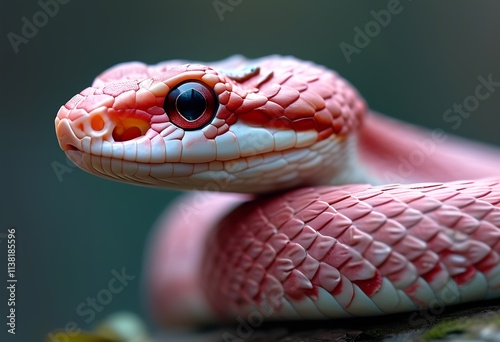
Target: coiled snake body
[(333, 245)]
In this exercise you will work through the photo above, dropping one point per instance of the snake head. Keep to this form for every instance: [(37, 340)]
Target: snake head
[(236, 125)]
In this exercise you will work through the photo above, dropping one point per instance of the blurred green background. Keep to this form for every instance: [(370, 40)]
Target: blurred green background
[(73, 230)]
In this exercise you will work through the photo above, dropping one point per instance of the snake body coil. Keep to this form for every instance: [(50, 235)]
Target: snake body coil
[(321, 250)]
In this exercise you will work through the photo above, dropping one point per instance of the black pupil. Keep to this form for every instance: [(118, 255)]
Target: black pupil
[(191, 104)]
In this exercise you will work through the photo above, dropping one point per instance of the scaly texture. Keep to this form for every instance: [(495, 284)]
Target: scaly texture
[(272, 124), (301, 117), (357, 250)]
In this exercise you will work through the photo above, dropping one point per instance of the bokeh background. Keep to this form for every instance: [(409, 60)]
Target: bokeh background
[(73, 230)]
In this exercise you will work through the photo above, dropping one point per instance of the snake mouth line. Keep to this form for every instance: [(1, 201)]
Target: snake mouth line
[(274, 169), (70, 147), (149, 174)]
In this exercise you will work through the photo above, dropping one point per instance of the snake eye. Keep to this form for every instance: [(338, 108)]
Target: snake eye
[(191, 105)]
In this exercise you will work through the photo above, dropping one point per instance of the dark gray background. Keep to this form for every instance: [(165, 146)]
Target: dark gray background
[(71, 234)]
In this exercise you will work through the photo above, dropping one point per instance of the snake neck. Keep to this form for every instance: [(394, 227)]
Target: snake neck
[(346, 166), (395, 152)]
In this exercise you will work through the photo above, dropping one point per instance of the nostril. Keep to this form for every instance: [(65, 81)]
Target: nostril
[(97, 123)]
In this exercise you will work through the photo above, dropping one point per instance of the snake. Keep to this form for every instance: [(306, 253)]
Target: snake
[(306, 204)]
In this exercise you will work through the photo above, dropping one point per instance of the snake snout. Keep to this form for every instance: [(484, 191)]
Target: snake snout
[(75, 132), (66, 137)]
